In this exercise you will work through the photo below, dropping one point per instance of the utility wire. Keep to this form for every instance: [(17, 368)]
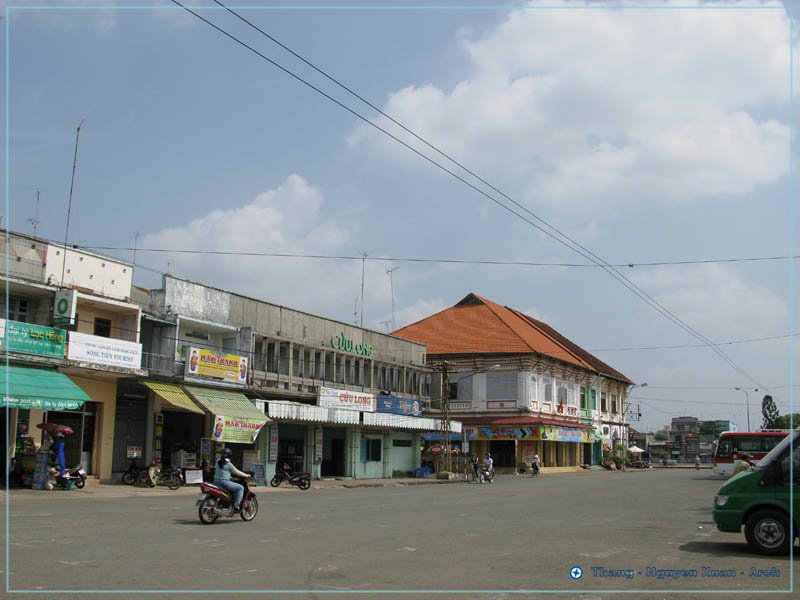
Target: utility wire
[(761, 339), (460, 261), (551, 230)]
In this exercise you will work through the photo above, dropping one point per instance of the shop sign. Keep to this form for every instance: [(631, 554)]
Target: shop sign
[(32, 339), (399, 406), (249, 458), (104, 351), (207, 365), (340, 342), (346, 399), (260, 474), (273, 443), (133, 452), (64, 307), (239, 430), (537, 432)]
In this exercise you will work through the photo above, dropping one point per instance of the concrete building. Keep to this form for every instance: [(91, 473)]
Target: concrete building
[(71, 334), (684, 436), (520, 388)]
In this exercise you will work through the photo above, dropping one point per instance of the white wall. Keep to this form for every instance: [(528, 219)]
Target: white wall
[(101, 275)]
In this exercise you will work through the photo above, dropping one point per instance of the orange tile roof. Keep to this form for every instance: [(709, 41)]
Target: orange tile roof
[(476, 325)]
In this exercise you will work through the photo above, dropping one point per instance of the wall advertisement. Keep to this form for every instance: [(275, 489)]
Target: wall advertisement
[(32, 339), (237, 430), (398, 405), (548, 433), (207, 365), (346, 399), (104, 351)]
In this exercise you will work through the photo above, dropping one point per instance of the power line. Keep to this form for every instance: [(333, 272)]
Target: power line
[(463, 261), (551, 230), (761, 339)]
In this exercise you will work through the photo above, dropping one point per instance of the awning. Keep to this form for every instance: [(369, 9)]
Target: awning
[(224, 402), (27, 387), (174, 395)]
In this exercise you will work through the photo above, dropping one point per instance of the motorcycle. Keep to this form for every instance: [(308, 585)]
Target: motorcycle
[(214, 502), (535, 470), (286, 473), (129, 477), (485, 475), (76, 474), (154, 475)]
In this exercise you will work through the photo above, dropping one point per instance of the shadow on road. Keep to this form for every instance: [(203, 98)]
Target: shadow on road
[(726, 549)]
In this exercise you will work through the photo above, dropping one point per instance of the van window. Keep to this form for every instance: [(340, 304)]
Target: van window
[(793, 469)]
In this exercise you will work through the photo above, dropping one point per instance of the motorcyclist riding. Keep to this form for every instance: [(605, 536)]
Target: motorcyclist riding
[(488, 466), (222, 477)]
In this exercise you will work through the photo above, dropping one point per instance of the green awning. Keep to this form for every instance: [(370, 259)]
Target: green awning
[(174, 395), (224, 402), (28, 387)]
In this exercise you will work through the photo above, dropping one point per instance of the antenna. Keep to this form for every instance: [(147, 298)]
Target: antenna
[(385, 324), (34, 220), (136, 237), (363, 264), (355, 311), (69, 204), (391, 286)]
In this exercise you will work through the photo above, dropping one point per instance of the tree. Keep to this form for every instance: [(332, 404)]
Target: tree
[(787, 421), (661, 436), (770, 413), (708, 427)]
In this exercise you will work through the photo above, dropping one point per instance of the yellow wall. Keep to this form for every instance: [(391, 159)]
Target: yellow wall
[(87, 314), (104, 392)]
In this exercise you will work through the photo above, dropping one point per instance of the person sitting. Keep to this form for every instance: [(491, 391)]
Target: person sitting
[(222, 477), (744, 464)]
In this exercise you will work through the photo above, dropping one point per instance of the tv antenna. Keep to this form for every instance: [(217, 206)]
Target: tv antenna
[(389, 272), (34, 220)]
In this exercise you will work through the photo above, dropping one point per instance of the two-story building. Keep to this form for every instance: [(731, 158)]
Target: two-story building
[(331, 398), (520, 388), (71, 334)]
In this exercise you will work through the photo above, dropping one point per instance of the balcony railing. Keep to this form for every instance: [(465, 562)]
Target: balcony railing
[(163, 365)]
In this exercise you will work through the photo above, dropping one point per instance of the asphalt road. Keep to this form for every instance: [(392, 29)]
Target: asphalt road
[(647, 531)]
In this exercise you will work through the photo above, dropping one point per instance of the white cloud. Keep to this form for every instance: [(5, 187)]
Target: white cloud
[(716, 300), (596, 107), (421, 309), (283, 220)]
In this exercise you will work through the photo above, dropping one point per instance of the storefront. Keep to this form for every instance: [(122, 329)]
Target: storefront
[(513, 441)]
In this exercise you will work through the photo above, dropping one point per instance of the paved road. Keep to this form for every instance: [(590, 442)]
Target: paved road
[(627, 531)]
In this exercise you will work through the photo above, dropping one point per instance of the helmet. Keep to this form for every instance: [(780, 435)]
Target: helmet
[(226, 453)]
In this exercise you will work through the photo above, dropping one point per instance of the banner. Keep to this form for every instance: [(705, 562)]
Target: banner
[(548, 433), (32, 339), (203, 364), (104, 351), (65, 307), (399, 406), (238, 430), (346, 399)]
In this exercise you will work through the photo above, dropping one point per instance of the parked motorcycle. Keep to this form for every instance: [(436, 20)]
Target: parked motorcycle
[(214, 502), (129, 476), (154, 475), (76, 474), (283, 472)]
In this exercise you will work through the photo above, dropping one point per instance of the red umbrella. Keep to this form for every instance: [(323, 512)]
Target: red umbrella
[(54, 428)]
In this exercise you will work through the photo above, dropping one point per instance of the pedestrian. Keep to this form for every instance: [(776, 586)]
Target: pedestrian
[(697, 462), (536, 465)]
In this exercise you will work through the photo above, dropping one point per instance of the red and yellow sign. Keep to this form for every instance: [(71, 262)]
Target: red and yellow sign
[(207, 364)]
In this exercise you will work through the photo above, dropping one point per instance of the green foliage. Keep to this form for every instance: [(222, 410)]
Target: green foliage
[(661, 436), (708, 427), (770, 413), (786, 422)]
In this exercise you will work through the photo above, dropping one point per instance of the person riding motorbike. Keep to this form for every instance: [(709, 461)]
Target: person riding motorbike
[(488, 465), (222, 477), (536, 464)]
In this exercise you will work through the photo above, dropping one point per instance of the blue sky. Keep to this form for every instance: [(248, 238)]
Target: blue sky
[(644, 134)]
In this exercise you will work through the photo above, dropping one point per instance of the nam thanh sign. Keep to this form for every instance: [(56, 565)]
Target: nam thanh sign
[(237, 430), (203, 364), (32, 339), (346, 399)]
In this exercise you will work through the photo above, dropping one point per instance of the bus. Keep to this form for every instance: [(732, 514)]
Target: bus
[(732, 445)]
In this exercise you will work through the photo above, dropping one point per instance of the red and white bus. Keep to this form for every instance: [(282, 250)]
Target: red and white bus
[(732, 445)]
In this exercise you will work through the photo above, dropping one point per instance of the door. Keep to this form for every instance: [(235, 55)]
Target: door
[(790, 476)]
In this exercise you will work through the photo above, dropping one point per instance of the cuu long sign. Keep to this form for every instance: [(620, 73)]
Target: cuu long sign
[(340, 342)]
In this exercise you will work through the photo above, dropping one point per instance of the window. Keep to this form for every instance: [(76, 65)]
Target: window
[(229, 344), (613, 403), (548, 389), (501, 386), (102, 327), (18, 309), (583, 398), (603, 402), (561, 397), (370, 450)]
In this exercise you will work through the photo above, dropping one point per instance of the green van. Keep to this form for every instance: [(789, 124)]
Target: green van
[(760, 499)]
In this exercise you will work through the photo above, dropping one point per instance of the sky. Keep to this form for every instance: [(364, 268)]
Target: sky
[(656, 132)]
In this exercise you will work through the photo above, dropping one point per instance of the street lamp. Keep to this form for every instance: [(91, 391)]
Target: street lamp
[(623, 410), (746, 392)]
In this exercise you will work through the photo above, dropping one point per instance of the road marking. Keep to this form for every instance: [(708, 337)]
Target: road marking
[(407, 549)]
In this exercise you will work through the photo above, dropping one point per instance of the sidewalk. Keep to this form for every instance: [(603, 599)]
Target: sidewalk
[(96, 489)]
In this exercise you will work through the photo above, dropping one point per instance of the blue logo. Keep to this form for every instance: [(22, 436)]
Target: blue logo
[(576, 572)]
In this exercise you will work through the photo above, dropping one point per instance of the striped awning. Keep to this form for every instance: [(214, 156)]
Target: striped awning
[(224, 402), (174, 395)]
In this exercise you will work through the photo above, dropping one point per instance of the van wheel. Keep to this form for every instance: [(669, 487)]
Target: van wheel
[(767, 532)]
